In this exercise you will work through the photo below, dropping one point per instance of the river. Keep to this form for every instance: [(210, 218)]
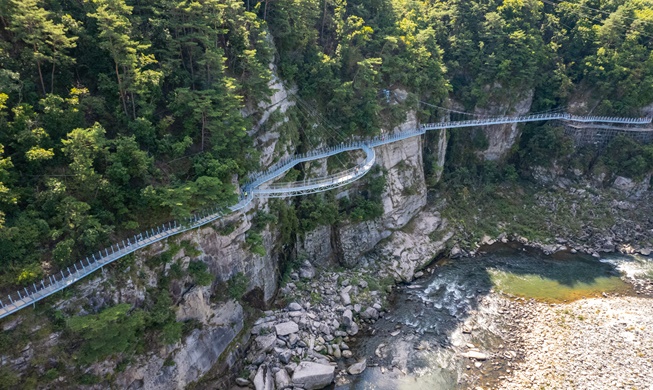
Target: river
[(459, 306)]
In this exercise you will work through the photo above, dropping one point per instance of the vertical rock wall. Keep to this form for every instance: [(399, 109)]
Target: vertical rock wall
[(501, 138), (403, 197)]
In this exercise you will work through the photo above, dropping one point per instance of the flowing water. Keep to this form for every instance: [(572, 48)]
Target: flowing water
[(426, 317)]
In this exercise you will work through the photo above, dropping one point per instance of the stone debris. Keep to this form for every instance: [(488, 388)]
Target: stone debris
[(598, 343), (263, 378), (315, 329)]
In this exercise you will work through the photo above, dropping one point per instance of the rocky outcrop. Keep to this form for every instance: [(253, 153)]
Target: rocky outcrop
[(632, 187), (501, 138), (403, 197), (411, 249), (193, 357), (268, 140), (228, 255), (310, 376), (316, 246)]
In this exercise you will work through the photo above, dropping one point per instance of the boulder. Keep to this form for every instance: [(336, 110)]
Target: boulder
[(284, 356), (352, 329), (307, 271), (456, 252), (286, 328), (265, 343), (357, 368), (294, 306), (623, 183), (345, 298), (370, 314), (311, 376), (347, 318), (263, 378), (282, 380)]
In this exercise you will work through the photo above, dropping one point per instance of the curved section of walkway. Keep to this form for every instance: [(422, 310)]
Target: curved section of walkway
[(312, 186), (29, 295)]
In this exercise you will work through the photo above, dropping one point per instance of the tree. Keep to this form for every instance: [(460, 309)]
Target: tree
[(113, 330), (48, 40), (128, 54)]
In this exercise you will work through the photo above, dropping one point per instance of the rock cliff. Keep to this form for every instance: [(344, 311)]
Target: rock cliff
[(403, 197), (502, 137)]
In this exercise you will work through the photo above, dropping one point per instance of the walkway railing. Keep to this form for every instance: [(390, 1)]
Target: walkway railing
[(310, 186), (29, 295)]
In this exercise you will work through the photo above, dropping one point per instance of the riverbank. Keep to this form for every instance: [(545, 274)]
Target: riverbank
[(453, 327), (597, 343), (591, 343)]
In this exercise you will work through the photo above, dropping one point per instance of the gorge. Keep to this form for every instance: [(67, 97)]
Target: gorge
[(416, 272)]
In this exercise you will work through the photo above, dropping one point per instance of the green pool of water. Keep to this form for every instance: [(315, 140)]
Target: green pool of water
[(557, 279), (550, 290)]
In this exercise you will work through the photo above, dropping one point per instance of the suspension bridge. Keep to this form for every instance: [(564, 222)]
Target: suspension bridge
[(261, 186)]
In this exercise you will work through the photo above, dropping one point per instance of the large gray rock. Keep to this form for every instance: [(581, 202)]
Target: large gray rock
[(501, 138), (307, 271), (265, 343), (263, 378), (347, 318), (357, 368), (475, 355), (286, 328), (370, 314), (284, 356), (404, 195), (345, 298), (294, 306), (352, 329), (282, 380), (311, 376)]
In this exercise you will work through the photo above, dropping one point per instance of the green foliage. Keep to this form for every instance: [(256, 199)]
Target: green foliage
[(543, 145), (254, 241), (8, 379), (367, 204), (118, 115), (189, 248), (314, 211), (114, 330), (198, 271), (176, 272), (237, 286), (626, 157)]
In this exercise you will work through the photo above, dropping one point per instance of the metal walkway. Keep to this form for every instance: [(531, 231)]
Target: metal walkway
[(259, 187)]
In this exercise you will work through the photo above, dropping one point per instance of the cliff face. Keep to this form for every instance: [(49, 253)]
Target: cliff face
[(403, 197), (195, 355), (502, 137)]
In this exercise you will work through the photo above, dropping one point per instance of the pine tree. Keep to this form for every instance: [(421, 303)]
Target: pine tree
[(48, 40)]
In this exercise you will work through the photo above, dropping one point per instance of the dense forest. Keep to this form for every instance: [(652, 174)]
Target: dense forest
[(116, 115)]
